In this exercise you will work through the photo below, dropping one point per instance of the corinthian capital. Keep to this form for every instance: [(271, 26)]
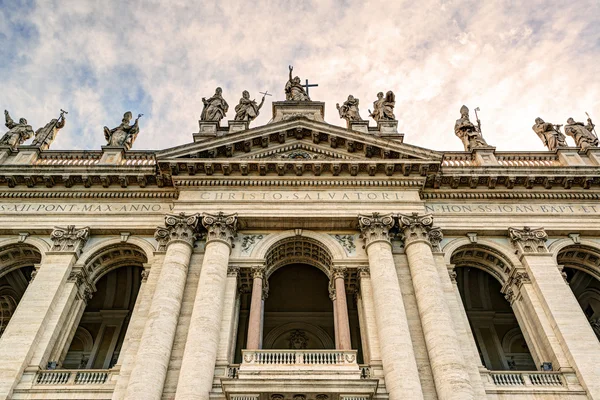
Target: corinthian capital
[(179, 227), (220, 226), (375, 227), (528, 240), (417, 227), (69, 239)]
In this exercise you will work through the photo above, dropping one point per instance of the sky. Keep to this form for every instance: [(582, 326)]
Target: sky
[(515, 60)]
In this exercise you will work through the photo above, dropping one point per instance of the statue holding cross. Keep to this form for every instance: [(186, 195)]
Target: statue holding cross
[(294, 90)]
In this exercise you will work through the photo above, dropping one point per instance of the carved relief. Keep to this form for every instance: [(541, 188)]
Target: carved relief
[(69, 239), (528, 240), (180, 227), (595, 323), (298, 341), (452, 273), (375, 227), (417, 227), (249, 241), (347, 242), (220, 226)]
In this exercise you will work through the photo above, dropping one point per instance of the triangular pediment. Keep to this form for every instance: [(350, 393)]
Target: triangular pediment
[(298, 139)]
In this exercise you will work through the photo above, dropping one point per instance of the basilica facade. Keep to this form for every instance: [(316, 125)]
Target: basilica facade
[(298, 260)]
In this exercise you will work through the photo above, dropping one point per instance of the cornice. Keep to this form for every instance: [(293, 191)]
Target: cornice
[(562, 195), (38, 194), (276, 181)]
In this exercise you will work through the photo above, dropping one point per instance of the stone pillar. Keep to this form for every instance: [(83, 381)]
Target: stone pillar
[(336, 330), (198, 364), (341, 308), (570, 325), (398, 358), (254, 341), (450, 374), (148, 375), (229, 323), (33, 314), (366, 296)]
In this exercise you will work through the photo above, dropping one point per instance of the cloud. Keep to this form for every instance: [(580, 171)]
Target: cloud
[(99, 59)]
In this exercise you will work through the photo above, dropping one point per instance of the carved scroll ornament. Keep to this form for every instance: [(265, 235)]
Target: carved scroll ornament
[(375, 227), (179, 227), (220, 226), (69, 239)]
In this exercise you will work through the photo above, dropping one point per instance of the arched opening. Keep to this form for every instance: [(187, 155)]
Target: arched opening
[(16, 269), (499, 339), (99, 335), (298, 312), (582, 269)]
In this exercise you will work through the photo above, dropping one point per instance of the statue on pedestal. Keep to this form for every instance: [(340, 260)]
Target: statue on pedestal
[(18, 133), (123, 135), (467, 132), (349, 110), (383, 107), (247, 110), (583, 134), (46, 135), (294, 91), (550, 134), (215, 107)]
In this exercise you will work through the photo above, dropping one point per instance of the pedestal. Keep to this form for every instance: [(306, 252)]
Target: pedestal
[(112, 154), (485, 156), (238, 126), (359, 126), (284, 110), (569, 156)]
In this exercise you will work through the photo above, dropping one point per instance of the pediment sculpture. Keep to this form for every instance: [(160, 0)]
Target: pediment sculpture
[(18, 132), (215, 107), (247, 110), (46, 135), (294, 91), (349, 110), (469, 133), (582, 134), (125, 134), (383, 107), (550, 134)]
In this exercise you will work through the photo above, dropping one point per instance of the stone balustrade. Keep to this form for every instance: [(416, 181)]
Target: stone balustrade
[(527, 378), (299, 357), (519, 382), (72, 377)]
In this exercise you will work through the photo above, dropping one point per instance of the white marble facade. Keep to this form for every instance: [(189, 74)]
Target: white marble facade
[(131, 274)]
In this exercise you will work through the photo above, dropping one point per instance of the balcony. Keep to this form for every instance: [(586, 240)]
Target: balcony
[(331, 374), (526, 382), (67, 384)]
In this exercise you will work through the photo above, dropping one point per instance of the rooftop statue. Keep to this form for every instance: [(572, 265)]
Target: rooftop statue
[(550, 134), (383, 107), (582, 134), (349, 110), (247, 110), (123, 135), (294, 91), (215, 107), (17, 134), (467, 132), (46, 135)]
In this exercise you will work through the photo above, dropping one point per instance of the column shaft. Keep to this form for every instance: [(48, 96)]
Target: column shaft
[(398, 358), (148, 375), (343, 322), (255, 323), (366, 295), (31, 318), (450, 374), (229, 322)]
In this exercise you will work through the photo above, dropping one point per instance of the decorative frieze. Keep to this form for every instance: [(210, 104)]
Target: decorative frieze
[(376, 227), (220, 226), (417, 227), (528, 240), (347, 242), (69, 239), (249, 241), (179, 227)]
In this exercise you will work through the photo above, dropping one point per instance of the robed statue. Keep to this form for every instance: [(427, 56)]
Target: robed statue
[(46, 135), (550, 134), (582, 134), (383, 107), (349, 110), (294, 91), (18, 132), (215, 107), (468, 133), (247, 110), (123, 135)]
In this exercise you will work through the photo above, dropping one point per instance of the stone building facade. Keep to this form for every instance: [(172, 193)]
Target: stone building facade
[(299, 261)]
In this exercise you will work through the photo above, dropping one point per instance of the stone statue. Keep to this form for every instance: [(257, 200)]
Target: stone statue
[(46, 135), (294, 91), (215, 107), (17, 134), (467, 132), (247, 110), (582, 134), (123, 135), (550, 134), (595, 323), (383, 107), (349, 110)]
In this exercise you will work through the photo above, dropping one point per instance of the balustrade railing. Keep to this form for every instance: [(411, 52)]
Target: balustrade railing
[(72, 377), (299, 357), (507, 378)]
